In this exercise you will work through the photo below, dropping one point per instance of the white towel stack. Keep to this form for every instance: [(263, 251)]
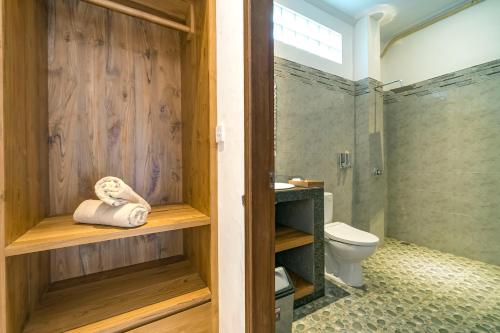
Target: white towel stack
[(119, 205), (115, 192)]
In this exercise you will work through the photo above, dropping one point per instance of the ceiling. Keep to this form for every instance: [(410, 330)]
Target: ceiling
[(407, 13)]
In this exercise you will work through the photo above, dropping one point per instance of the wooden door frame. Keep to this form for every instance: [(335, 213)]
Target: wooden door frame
[(259, 166)]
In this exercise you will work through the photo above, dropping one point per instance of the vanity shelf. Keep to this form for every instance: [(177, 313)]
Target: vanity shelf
[(302, 287), (299, 240), (62, 231), (288, 238), (120, 299)]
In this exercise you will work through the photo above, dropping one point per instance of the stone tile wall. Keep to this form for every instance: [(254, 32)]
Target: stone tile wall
[(437, 142), (369, 191), (315, 122), (443, 160)]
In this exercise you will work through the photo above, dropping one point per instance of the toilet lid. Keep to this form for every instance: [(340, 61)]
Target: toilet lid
[(344, 233)]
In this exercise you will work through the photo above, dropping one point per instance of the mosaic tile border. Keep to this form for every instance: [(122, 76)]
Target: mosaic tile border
[(464, 77), (289, 69), (308, 75), (365, 86)]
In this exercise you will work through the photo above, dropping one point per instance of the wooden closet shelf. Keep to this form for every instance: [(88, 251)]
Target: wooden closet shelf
[(289, 238), (62, 231), (174, 14), (302, 287), (121, 299), (200, 319)]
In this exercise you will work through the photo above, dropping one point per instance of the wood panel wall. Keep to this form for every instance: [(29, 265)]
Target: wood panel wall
[(114, 105), (23, 180), (114, 109), (199, 147), (91, 258)]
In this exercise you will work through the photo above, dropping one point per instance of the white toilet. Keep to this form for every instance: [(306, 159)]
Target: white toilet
[(345, 248)]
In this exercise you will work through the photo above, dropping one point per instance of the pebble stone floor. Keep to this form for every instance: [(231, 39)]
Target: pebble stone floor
[(409, 288)]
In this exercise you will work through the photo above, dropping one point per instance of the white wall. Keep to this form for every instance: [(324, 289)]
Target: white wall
[(303, 57), (230, 111), (468, 38), (361, 49), (367, 48)]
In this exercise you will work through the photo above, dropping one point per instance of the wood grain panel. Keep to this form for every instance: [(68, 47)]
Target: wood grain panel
[(146, 314), (23, 157), (114, 96), (104, 256), (3, 282), (18, 298), (198, 146), (259, 164), (119, 299), (199, 319), (27, 278), (25, 116), (62, 231), (115, 109), (196, 114)]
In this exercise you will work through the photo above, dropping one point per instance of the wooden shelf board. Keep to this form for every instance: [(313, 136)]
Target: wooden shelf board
[(62, 231), (120, 299), (289, 238), (200, 319), (302, 287)]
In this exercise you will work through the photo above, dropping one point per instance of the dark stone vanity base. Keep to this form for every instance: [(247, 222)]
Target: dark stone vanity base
[(302, 209)]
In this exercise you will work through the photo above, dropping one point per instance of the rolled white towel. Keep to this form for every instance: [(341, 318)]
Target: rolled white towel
[(115, 192), (97, 212)]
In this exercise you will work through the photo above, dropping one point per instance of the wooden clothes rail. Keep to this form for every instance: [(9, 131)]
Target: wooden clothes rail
[(135, 12)]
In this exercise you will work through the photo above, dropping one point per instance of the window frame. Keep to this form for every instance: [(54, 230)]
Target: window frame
[(304, 33)]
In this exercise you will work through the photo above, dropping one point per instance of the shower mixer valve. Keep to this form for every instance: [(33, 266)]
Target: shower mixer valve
[(345, 160)]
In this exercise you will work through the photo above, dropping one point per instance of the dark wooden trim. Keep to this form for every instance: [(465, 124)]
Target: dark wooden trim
[(259, 163)]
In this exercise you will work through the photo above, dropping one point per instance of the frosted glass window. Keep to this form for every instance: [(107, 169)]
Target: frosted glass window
[(303, 33)]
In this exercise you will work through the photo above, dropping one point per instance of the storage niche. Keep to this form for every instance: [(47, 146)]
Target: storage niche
[(95, 88), (114, 104)]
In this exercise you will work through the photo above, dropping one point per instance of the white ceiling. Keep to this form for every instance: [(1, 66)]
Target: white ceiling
[(407, 12)]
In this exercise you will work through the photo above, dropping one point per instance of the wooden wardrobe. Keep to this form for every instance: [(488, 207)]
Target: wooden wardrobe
[(92, 88)]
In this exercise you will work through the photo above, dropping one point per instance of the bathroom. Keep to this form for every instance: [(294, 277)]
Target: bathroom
[(394, 113)]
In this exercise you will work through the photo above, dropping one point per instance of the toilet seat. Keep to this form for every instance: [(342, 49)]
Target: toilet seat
[(341, 232)]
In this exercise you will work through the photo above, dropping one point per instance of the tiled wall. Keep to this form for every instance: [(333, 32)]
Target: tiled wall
[(369, 191), (439, 153), (315, 122), (319, 115), (443, 159)]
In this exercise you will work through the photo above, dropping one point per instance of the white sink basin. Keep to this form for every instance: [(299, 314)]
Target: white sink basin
[(283, 186)]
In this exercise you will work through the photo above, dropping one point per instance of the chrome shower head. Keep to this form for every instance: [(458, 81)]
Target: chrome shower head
[(385, 84)]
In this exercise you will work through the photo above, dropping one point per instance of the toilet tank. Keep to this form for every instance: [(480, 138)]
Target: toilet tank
[(328, 202)]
